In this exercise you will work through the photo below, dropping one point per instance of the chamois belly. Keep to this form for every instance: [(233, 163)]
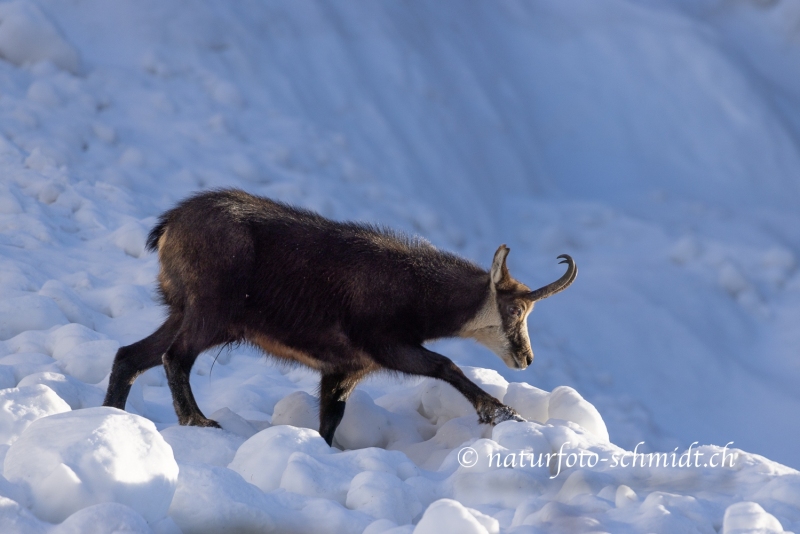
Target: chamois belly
[(284, 352)]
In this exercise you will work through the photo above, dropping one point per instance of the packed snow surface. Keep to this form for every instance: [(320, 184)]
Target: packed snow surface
[(657, 142)]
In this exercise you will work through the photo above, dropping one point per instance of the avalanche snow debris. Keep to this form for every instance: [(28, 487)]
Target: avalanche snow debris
[(656, 141)]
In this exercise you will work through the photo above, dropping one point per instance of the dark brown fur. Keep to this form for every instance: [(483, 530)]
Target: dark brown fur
[(343, 298)]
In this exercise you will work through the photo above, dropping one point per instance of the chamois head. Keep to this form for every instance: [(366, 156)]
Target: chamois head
[(501, 324)]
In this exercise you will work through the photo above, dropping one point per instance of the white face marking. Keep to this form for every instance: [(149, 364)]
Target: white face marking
[(487, 316), (487, 329)]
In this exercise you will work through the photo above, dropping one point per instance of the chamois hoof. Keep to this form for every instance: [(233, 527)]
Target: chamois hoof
[(504, 413), (201, 421)]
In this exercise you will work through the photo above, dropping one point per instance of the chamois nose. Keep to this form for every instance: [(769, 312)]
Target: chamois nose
[(528, 360)]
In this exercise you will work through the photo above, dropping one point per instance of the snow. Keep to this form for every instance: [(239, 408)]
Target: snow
[(449, 515), (567, 404), (27, 36), (40, 313), (77, 459), (654, 141), (749, 517), (278, 444), (23, 405)]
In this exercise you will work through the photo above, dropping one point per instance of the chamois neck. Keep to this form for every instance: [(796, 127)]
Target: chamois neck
[(459, 307)]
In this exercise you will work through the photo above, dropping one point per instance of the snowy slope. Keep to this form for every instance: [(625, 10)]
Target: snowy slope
[(656, 142)]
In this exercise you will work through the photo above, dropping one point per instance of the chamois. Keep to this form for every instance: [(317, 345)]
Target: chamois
[(346, 299)]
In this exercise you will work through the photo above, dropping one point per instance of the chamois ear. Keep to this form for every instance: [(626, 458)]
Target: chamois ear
[(499, 271)]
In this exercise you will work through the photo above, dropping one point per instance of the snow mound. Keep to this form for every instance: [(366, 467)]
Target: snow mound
[(744, 517), (364, 423), (19, 407), (562, 403), (71, 390), (27, 36), (297, 409), (215, 499), (566, 403), (383, 495), (531, 402), (29, 312), (262, 459), (14, 518), (73, 460), (102, 519), (447, 515), (202, 445)]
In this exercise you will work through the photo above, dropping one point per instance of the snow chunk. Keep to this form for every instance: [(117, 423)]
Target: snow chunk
[(669, 512), (383, 495), (27, 36), (19, 407), (530, 402), (262, 459), (364, 423), (566, 403), (74, 392), (517, 436), (330, 476), (104, 518), (447, 515), (440, 402), (234, 423), (744, 517), (15, 518), (297, 409), (66, 338), (624, 496), (202, 445), (579, 484), (215, 499), (23, 364), (30, 312), (72, 460), (384, 526), (488, 380), (90, 362), (84, 353)]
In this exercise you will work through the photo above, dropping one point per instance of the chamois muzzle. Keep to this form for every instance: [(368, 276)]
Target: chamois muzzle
[(559, 285)]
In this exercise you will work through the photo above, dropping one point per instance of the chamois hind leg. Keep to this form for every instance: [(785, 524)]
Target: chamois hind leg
[(133, 360), (334, 389), (417, 360), (178, 362)]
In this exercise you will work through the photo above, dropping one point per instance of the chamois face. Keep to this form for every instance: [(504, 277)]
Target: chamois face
[(501, 325), (513, 312)]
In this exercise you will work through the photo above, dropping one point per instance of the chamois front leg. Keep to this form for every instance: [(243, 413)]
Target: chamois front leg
[(334, 388), (416, 360)]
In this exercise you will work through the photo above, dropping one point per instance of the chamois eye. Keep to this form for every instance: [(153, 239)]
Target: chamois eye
[(514, 311)]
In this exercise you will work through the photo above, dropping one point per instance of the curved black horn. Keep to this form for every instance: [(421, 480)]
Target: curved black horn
[(559, 285)]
